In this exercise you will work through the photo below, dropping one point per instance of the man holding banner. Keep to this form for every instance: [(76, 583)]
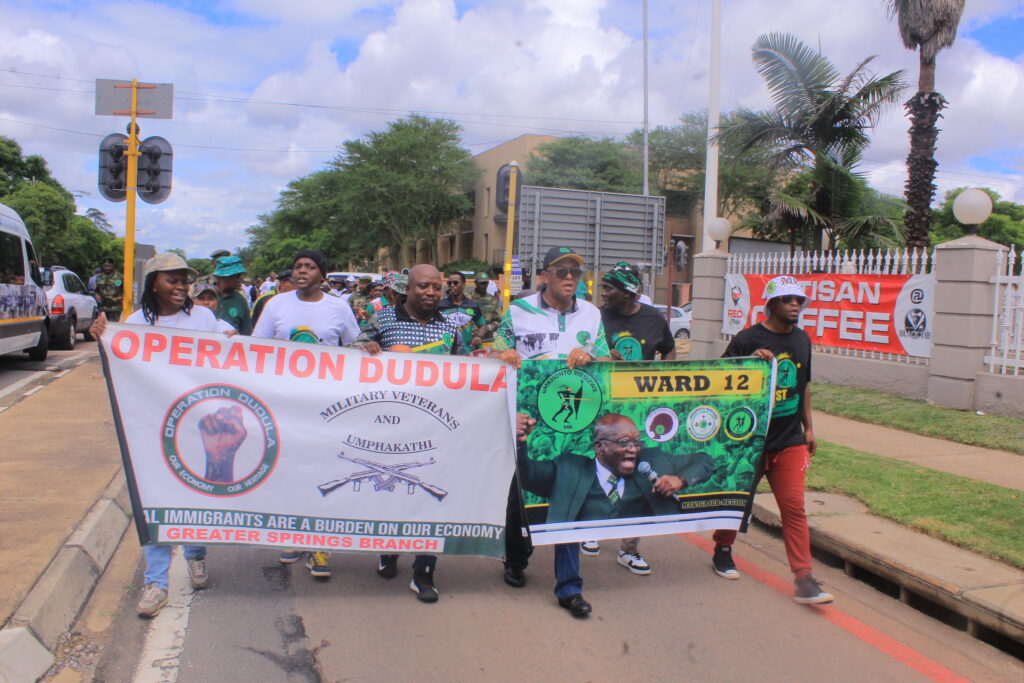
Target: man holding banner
[(553, 323), (413, 324), (306, 314), (790, 441)]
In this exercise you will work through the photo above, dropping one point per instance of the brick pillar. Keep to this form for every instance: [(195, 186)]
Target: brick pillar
[(962, 328), (708, 294)]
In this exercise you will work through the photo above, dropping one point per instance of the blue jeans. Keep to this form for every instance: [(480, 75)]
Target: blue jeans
[(567, 570), (158, 561)]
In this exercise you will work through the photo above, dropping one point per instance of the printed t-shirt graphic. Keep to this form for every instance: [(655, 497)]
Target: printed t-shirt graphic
[(537, 330)]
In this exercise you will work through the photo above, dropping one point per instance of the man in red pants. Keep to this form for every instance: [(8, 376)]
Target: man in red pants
[(790, 442)]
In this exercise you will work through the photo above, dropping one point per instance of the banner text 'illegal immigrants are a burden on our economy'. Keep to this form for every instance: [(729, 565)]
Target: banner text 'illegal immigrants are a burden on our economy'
[(270, 443)]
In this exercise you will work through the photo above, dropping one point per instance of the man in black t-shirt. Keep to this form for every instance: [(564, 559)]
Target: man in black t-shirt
[(790, 442), (634, 332)]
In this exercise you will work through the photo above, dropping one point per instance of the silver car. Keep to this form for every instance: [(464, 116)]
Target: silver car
[(72, 308), (679, 323)]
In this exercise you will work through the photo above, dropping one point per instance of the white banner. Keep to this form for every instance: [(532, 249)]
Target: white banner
[(270, 443)]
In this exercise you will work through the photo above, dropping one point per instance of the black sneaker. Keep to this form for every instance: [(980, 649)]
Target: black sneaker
[(808, 592), (422, 585), (387, 566), (723, 564)]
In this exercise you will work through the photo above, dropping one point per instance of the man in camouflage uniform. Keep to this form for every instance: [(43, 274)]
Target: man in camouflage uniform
[(361, 299), (490, 306), (110, 290)]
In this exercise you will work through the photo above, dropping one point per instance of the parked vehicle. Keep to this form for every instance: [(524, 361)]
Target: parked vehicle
[(679, 323), (346, 274), (72, 308), (24, 323)]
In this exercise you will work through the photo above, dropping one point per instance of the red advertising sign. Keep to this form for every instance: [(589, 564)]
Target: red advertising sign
[(887, 313)]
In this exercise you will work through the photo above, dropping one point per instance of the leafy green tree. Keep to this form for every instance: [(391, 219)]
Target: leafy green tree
[(99, 219), (59, 236), (17, 170), (820, 120), (1005, 225), (580, 163), (927, 26)]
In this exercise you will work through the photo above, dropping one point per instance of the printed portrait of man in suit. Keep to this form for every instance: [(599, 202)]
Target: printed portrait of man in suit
[(613, 483)]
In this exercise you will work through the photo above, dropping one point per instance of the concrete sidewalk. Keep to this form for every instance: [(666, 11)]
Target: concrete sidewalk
[(64, 506), (63, 509)]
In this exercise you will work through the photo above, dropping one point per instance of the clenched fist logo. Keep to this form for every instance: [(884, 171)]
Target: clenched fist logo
[(222, 433)]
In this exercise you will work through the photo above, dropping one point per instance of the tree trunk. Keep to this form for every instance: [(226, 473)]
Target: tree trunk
[(924, 109)]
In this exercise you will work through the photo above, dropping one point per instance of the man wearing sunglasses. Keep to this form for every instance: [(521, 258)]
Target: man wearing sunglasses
[(790, 443), (463, 311), (552, 323), (605, 487)]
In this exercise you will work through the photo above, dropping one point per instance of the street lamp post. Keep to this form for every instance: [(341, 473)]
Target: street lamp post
[(719, 230), (972, 208)]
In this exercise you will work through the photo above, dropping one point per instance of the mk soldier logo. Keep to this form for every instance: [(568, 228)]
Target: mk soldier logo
[(569, 400)]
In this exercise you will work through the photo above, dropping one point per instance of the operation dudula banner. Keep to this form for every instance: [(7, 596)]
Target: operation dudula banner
[(272, 443), (606, 433), (886, 313)]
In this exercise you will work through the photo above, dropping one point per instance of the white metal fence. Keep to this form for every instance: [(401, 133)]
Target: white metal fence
[(850, 262), (1007, 315)]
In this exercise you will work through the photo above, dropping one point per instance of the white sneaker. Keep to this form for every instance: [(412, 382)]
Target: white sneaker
[(591, 548), (634, 562), (197, 575), (153, 598)]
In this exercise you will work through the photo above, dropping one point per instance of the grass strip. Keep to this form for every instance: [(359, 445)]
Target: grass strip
[(988, 431), (974, 515)]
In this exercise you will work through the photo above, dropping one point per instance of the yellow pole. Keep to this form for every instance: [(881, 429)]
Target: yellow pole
[(510, 227), (129, 231)]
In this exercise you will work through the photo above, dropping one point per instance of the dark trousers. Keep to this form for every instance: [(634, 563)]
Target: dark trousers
[(517, 546)]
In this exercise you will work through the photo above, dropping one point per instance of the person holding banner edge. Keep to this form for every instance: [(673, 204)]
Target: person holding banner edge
[(552, 323), (306, 314), (635, 332), (165, 303), (790, 443), (414, 324)]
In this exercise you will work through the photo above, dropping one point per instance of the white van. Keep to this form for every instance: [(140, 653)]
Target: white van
[(24, 324)]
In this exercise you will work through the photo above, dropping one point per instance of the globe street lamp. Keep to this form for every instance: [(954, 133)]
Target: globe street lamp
[(972, 208), (719, 230)]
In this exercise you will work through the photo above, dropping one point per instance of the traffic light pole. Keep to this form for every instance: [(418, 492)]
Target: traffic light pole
[(129, 229), (510, 227)]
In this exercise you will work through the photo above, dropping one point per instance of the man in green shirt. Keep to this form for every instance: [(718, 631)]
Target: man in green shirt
[(232, 305), (490, 306), (110, 290)]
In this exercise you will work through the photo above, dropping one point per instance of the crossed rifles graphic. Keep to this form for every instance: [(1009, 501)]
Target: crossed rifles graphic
[(383, 477)]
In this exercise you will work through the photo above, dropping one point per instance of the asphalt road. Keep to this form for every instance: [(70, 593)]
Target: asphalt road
[(18, 374), (262, 621)]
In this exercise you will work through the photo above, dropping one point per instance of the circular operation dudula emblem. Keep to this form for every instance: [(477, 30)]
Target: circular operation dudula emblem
[(220, 440), (702, 423)]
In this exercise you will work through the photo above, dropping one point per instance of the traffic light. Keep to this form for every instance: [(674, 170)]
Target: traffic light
[(113, 166), (154, 174), (502, 186)]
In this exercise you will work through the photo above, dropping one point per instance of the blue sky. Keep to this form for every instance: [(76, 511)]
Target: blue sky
[(340, 69)]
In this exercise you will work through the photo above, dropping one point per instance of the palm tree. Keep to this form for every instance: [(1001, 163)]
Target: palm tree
[(820, 120), (927, 26)]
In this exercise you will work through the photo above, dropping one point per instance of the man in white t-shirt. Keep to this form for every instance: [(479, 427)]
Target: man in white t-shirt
[(307, 314), (269, 284)]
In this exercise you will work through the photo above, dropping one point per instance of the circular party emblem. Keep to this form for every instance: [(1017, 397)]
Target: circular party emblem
[(569, 400), (740, 423), (220, 440), (661, 424), (702, 423)]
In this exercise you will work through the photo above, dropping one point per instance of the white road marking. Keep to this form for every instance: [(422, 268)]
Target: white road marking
[(62, 373), (22, 382), (165, 639), (32, 390)]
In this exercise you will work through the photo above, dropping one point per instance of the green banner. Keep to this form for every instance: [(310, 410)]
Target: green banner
[(681, 442)]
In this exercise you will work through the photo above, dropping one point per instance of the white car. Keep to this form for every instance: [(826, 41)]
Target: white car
[(72, 308), (679, 323)]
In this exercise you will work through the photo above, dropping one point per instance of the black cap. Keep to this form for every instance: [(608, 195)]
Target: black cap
[(558, 253), (314, 255), (285, 274)]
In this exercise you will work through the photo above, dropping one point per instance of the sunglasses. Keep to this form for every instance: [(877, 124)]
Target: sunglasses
[(452, 283), (562, 273), (625, 443), (792, 298)]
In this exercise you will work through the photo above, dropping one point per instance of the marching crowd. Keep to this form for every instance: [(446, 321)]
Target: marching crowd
[(419, 310)]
